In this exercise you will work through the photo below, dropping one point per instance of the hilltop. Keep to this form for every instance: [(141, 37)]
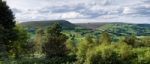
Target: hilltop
[(43, 24)]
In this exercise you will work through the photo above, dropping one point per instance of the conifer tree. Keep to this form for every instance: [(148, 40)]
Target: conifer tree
[(7, 32), (55, 45)]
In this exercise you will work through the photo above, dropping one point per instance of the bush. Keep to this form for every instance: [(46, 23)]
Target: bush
[(102, 55)]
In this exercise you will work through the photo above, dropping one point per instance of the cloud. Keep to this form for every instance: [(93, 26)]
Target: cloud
[(82, 10), (72, 15)]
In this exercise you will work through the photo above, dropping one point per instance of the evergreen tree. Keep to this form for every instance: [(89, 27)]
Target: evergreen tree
[(55, 45), (6, 16), (7, 33)]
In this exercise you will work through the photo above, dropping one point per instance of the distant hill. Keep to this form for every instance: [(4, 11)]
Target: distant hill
[(90, 25), (115, 27), (118, 28), (43, 24), (125, 28)]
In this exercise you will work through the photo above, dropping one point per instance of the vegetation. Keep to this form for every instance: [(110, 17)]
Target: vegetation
[(53, 44), (7, 32)]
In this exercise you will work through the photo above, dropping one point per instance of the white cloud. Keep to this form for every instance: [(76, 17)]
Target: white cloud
[(133, 11), (128, 10), (72, 15)]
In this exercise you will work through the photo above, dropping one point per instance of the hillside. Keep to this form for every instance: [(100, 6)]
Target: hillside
[(90, 25), (124, 29), (119, 28), (43, 24), (113, 28)]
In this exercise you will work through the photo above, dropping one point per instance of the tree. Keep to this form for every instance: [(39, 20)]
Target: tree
[(131, 40), (6, 18), (102, 54), (55, 45), (20, 44), (38, 40), (7, 31), (83, 47), (105, 38), (71, 46)]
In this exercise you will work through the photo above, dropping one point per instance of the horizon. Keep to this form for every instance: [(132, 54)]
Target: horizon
[(83, 11), (81, 22)]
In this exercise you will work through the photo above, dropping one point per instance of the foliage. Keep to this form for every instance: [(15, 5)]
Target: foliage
[(20, 44), (102, 55), (55, 45), (83, 48), (105, 38), (71, 46), (38, 40), (7, 31), (123, 29)]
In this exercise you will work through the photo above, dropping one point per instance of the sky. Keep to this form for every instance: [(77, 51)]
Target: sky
[(81, 11)]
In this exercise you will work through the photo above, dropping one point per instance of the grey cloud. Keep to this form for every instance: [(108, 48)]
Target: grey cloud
[(15, 10), (139, 10)]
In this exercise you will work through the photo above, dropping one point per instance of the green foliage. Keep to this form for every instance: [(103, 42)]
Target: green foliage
[(83, 47), (7, 31), (71, 46), (123, 29), (145, 41), (6, 16), (110, 54), (39, 40), (105, 38), (102, 55), (55, 45), (143, 55), (118, 53), (131, 40), (20, 44)]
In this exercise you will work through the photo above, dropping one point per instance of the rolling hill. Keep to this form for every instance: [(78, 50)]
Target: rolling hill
[(119, 28), (114, 28), (125, 28), (43, 24)]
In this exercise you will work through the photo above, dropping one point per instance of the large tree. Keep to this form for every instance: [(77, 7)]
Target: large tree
[(6, 16), (7, 32), (55, 45)]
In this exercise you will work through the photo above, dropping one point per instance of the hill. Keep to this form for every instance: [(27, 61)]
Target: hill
[(93, 25), (119, 28), (113, 28), (126, 28), (43, 24)]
